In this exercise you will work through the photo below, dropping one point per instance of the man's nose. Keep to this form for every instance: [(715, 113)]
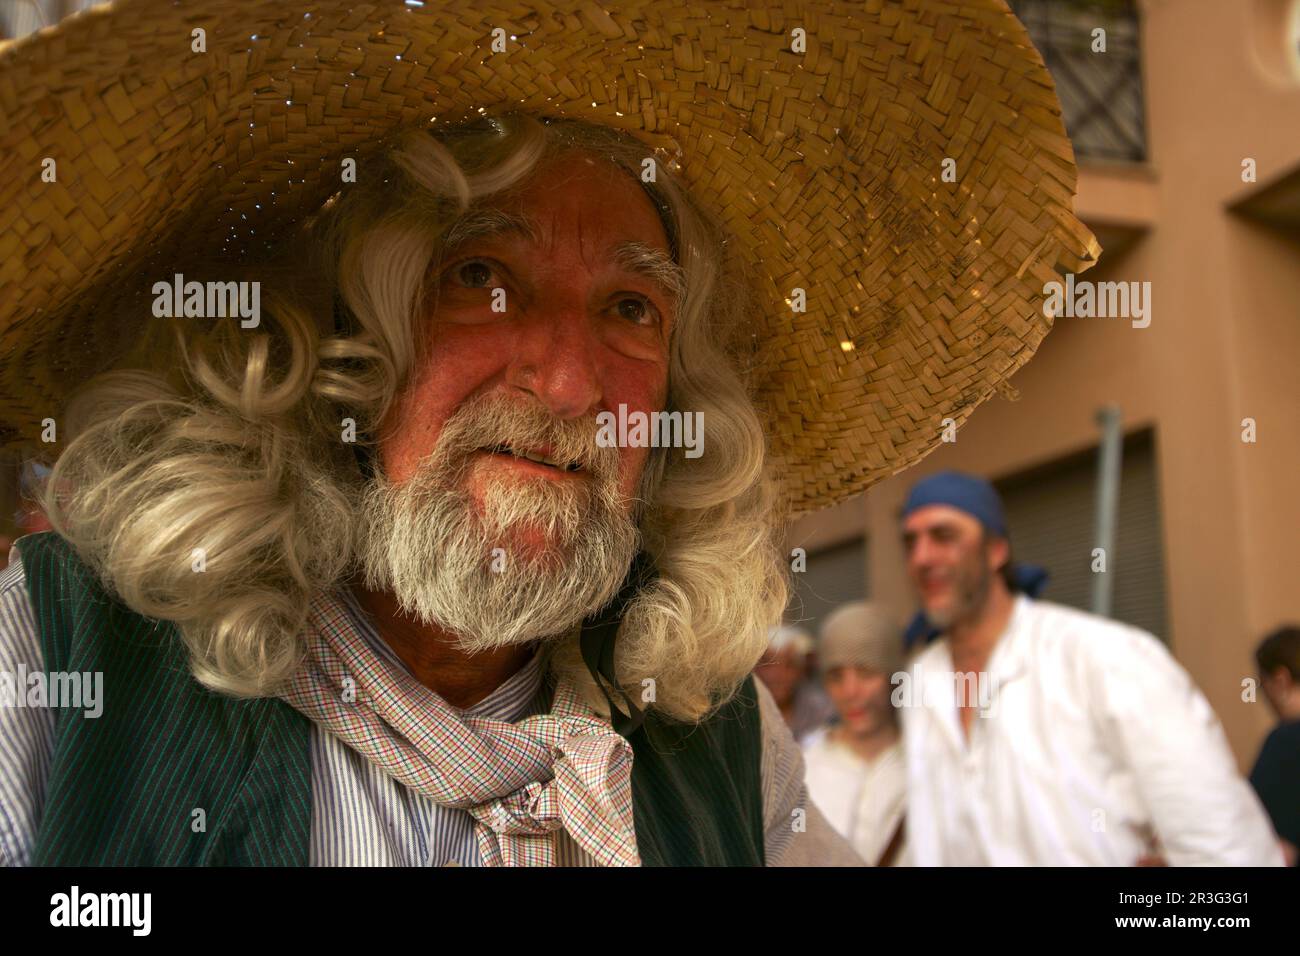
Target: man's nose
[(922, 553), (556, 361)]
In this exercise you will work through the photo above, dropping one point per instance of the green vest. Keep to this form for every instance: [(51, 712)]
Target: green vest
[(126, 788)]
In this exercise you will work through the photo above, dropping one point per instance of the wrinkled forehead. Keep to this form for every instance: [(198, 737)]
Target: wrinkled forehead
[(623, 189), (785, 657), (577, 194)]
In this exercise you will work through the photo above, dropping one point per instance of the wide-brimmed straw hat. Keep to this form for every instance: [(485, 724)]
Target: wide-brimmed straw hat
[(819, 134)]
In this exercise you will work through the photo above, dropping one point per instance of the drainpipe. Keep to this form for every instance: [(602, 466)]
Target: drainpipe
[(1109, 458)]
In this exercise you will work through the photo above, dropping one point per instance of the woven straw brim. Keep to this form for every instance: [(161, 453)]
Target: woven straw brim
[(826, 166)]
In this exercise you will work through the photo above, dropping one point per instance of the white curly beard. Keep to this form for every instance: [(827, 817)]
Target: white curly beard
[(529, 559)]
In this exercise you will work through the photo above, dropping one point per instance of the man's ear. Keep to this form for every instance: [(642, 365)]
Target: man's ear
[(1279, 678), (998, 551)]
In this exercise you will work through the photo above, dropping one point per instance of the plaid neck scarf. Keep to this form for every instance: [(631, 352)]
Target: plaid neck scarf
[(521, 782)]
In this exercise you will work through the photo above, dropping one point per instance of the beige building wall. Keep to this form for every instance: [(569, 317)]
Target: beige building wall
[(1223, 345)]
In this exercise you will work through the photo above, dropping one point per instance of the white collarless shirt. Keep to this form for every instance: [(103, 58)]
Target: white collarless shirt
[(862, 799), (1091, 739)]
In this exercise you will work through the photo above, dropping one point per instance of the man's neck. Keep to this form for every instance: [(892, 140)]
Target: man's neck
[(971, 642), (1290, 710), (786, 707), (431, 654), (971, 645)]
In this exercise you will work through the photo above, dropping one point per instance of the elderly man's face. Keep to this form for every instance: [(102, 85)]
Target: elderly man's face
[(580, 333), (782, 671), (548, 307)]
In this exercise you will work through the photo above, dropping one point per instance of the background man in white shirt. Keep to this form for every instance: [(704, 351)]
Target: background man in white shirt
[(1079, 740)]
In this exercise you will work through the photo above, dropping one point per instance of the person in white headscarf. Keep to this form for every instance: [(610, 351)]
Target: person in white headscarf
[(786, 670), (856, 773)]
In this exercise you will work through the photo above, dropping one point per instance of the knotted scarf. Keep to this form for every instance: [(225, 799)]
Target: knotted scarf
[(521, 782)]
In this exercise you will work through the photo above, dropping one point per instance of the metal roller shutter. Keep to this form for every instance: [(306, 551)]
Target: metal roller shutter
[(835, 575), (1050, 515)]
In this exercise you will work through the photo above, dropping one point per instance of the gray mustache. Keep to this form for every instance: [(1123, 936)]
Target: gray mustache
[(570, 441)]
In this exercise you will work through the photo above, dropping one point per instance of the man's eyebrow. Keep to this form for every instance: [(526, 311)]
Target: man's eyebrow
[(655, 265), (486, 223), (635, 256)]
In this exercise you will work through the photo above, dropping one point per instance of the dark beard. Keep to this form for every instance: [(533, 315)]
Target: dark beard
[(972, 596)]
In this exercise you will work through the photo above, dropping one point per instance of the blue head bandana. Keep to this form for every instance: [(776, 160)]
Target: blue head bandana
[(980, 500), (975, 496)]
